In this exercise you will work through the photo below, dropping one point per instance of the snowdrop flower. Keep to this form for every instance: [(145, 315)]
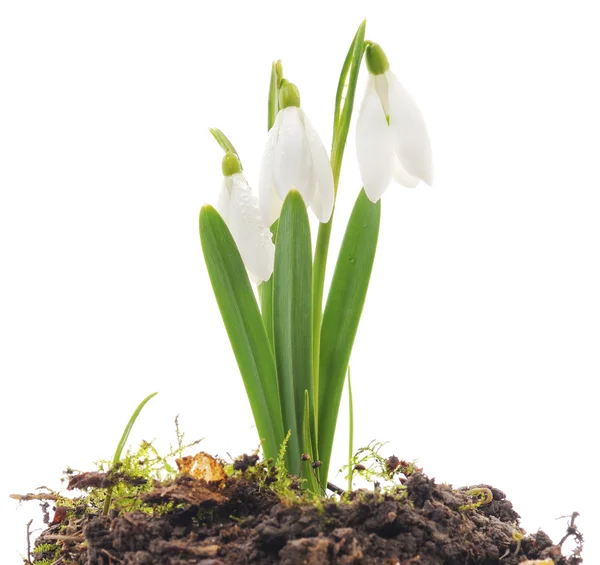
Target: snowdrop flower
[(294, 158), (239, 209), (391, 137)]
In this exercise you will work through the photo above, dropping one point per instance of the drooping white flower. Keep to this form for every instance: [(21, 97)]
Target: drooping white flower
[(294, 158), (391, 136), (239, 209)]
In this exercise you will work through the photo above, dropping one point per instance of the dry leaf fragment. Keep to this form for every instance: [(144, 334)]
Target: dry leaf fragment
[(201, 466), (186, 489)]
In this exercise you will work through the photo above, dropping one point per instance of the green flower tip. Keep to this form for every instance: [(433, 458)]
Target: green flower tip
[(288, 95), (377, 62), (231, 164)]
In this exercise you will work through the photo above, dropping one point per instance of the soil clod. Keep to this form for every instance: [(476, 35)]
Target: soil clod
[(242, 520)]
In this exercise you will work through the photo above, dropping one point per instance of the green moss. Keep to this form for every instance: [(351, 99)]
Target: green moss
[(484, 496), (45, 554), (382, 472), (133, 476)]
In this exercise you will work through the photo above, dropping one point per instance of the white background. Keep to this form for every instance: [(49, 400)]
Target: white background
[(478, 349)]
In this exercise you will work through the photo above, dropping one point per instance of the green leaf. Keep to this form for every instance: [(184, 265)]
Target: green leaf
[(346, 92), (292, 324), (129, 426), (244, 326), (342, 315), (121, 445), (224, 142)]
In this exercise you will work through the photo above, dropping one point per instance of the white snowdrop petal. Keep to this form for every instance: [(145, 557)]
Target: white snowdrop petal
[(411, 141), (270, 207), (223, 201), (402, 177), (322, 201), (269, 202), (292, 163), (380, 83), (374, 145), (252, 237)]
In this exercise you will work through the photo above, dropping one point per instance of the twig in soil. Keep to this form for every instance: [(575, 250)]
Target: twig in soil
[(111, 557), (335, 489), (31, 496), (62, 537), (29, 542), (572, 530)]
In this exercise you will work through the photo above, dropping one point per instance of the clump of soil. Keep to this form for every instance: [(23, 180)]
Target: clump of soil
[(243, 521)]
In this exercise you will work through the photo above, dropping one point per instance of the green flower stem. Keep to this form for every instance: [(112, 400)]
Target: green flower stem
[(308, 473), (350, 433), (319, 266), (265, 295), (341, 125), (265, 290)]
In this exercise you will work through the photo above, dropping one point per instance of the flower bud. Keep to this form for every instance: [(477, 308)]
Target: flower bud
[(231, 164), (377, 62), (288, 95)]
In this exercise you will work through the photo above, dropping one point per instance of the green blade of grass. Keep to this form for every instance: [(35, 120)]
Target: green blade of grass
[(244, 326), (292, 325), (121, 445), (342, 314), (129, 426)]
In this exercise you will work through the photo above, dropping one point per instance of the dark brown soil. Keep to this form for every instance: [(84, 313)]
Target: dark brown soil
[(239, 522)]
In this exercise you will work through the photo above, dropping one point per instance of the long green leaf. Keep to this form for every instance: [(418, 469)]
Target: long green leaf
[(292, 327), (342, 314), (244, 326), (346, 92), (347, 84)]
